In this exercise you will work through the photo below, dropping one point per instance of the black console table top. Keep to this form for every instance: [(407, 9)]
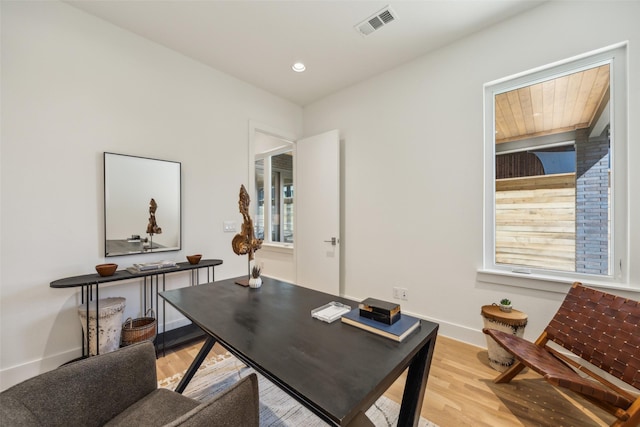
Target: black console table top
[(94, 279)]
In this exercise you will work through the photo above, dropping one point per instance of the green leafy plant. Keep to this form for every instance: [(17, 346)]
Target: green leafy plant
[(505, 301), (255, 272)]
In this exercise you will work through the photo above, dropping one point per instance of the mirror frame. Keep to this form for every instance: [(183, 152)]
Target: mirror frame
[(130, 170)]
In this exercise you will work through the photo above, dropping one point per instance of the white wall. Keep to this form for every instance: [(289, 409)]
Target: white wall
[(413, 159), (74, 86)]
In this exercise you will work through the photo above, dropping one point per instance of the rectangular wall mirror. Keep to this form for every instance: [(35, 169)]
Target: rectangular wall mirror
[(132, 225)]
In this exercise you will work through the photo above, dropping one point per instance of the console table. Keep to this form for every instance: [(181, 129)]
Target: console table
[(90, 284)]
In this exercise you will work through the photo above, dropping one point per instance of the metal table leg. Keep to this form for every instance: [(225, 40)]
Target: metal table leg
[(202, 354)]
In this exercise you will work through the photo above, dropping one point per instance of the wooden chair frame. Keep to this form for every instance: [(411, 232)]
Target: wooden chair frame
[(600, 328)]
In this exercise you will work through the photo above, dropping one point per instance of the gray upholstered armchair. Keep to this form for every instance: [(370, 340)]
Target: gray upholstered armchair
[(120, 389)]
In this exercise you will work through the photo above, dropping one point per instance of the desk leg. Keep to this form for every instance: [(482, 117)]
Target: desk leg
[(415, 386), (202, 354)]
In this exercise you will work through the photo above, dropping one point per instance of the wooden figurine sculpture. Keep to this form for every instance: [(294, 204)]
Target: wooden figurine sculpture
[(152, 227), (245, 242)]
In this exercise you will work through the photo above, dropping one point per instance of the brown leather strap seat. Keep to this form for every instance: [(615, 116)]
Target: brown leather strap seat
[(553, 370), (601, 330)]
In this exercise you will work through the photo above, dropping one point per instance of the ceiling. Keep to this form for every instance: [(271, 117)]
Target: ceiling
[(258, 41), (554, 106)]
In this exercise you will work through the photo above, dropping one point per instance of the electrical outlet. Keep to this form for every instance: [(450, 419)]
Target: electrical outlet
[(400, 293), (229, 226)]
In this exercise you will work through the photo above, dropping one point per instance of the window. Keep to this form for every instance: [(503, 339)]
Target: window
[(274, 214), (555, 174)]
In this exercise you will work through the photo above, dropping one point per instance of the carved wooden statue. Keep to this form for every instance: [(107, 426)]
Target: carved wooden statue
[(245, 242), (152, 227)]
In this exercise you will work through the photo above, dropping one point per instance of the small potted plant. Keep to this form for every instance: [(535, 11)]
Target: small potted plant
[(505, 305), (255, 281)]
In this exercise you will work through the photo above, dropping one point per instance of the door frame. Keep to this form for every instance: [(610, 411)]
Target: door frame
[(255, 126), (268, 130), (289, 136)]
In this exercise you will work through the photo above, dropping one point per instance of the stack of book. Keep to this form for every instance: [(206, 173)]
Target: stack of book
[(382, 318), (149, 266), (382, 311)]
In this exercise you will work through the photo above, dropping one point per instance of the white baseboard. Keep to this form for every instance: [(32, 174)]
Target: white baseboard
[(18, 373), (458, 332)]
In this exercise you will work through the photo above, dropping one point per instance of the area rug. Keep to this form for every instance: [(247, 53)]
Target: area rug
[(277, 409)]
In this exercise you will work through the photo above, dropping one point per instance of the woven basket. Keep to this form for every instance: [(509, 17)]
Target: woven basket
[(139, 329)]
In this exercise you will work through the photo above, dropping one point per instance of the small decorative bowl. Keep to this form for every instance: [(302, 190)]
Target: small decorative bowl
[(106, 269), (194, 259)]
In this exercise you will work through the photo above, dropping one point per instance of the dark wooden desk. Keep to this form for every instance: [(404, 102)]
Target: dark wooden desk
[(336, 370)]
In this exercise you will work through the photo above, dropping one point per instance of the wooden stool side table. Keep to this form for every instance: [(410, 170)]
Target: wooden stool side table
[(514, 322)]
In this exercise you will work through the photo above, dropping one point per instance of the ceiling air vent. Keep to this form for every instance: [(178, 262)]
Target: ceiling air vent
[(376, 21)]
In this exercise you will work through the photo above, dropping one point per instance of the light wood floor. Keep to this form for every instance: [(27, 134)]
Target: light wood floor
[(460, 391)]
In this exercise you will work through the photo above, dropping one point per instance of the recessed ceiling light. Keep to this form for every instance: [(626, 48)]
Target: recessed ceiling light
[(298, 67)]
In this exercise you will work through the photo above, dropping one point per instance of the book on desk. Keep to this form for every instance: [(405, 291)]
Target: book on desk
[(398, 331), (381, 311)]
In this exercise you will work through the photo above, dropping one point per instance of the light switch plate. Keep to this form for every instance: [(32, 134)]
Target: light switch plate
[(229, 226)]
